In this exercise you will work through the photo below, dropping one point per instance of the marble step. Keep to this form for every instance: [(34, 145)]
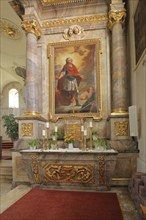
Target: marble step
[(5, 171), (12, 196)]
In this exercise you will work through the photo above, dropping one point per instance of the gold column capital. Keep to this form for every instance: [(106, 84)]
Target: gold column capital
[(31, 27), (116, 16)]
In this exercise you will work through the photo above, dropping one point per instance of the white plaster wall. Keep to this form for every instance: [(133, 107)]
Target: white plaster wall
[(138, 89), (5, 110)]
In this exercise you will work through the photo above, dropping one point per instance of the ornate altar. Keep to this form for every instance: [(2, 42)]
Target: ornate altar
[(64, 169), (97, 92)]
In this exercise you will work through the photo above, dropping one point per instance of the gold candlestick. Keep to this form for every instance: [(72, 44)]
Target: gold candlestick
[(48, 135), (91, 138), (85, 134)]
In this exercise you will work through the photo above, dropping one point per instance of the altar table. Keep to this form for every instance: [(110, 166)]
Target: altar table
[(70, 169)]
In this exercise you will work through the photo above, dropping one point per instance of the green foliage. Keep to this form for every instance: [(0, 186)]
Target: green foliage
[(33, 142), (94, 133), (59, 134), (11, 126), (100, 142)]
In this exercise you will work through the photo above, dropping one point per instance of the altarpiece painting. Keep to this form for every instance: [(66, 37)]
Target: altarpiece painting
[(75, 78)]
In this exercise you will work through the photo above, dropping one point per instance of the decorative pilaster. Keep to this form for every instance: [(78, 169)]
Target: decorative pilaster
[(32, 96), (31, 123), (119, 122), (117, 16)]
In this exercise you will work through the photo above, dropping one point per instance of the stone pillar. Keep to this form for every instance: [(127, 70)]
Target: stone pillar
[(32, 96), (31, 123), (117, 16), (118, 120)]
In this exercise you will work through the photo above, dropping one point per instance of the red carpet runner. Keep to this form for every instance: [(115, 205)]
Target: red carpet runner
[(41, 204)]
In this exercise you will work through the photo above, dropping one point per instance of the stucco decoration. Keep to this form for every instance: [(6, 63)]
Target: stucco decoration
[(74, 32)]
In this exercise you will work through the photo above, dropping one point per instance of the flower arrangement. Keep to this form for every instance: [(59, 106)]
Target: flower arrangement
[(69, 138)]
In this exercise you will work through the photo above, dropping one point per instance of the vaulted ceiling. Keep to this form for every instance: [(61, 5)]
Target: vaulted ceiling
[(12, 45)]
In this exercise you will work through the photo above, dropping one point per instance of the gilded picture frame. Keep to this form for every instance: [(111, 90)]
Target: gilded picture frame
[(74, 79), (140, 29)]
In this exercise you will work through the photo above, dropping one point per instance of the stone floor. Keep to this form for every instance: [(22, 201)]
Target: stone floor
[(8, 196)]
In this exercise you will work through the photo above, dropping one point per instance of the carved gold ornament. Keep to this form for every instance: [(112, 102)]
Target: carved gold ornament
[(121, 128), (31, 27), (64, 2), (116, 16), (9, 29), (68, 173), (101, 170), (75, 130), (80, 20), (26, 129), (35, 168)]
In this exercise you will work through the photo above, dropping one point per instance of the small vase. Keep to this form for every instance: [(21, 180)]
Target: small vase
[(70, 146)]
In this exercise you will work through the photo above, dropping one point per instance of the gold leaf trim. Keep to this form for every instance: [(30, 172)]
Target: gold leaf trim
[(82, 20)]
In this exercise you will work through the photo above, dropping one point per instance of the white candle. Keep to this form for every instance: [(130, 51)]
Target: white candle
[(85, 132), (82, 128), (90, 124), (43, 132), (54, 138), (56, 128), (47, 124)]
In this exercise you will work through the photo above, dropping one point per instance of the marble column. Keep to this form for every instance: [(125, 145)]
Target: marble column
[(32, 96), (117, 16)]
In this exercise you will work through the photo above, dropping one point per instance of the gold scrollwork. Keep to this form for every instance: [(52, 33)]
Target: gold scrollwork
[(81, 20), (121, 128), (35, 168), (27, 129), (70, 173), (75, 130), (101, 170), (9, 29), (31, 27), (116, 16)]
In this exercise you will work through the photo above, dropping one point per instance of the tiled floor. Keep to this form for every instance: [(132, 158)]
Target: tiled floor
[(9, 196)]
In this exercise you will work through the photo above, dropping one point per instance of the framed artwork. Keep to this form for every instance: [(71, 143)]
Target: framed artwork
[(74, 76), (140, 29)]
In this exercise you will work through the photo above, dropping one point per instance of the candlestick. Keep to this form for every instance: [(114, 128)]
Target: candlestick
[(48, 136), (85, 132), (90, 124), (84, 143), (43, 132), (90, 138), (56, 128), (47, 124), (82, 128)]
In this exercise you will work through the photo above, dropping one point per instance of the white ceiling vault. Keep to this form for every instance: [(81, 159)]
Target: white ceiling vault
[(12, 45)]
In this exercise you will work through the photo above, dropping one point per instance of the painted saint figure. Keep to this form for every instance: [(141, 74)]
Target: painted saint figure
[(90, 103), (68, 84)]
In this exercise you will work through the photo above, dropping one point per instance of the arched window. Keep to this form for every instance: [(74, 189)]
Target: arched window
[(13, 98)]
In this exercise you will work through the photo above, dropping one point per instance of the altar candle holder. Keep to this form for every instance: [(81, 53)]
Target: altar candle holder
[(85, 134), (56, 131), (90, 125), (44, 134), (82, 136), (48, 134)]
